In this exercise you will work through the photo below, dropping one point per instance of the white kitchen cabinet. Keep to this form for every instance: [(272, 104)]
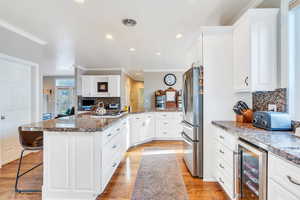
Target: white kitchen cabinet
[(168, 125), (255, 51), (137, 123), (90, 86), (114, 86), (225, 160), (284, 178), (149, 126), (87, 86), (194, 53)]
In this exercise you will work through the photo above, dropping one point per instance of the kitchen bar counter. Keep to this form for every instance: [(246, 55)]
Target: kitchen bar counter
[(77, 123), (156, 110), (82, 122), (282, 143)]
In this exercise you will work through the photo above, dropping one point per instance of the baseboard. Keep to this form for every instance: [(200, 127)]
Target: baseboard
[(210, 179)]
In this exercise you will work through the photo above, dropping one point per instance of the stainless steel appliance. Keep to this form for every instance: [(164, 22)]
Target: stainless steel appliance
[(251, 178), (192, 134)]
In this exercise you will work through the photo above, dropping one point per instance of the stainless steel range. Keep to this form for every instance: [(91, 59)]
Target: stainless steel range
[(192, 96)]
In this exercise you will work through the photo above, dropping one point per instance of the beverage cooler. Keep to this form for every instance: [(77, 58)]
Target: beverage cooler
[(251, 172)]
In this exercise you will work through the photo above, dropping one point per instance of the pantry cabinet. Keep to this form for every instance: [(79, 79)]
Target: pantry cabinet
[(101, 86), (255, 42)]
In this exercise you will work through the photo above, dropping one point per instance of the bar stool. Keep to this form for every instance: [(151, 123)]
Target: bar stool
[(30, 141)]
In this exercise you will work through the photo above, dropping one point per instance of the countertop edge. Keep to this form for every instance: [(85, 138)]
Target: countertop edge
[(238, 132)]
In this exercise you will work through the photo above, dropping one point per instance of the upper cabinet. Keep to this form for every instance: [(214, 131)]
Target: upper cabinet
[(101, 86), (194, 54), (255, 49)]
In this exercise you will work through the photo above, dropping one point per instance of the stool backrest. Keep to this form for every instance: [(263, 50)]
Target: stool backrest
[(30, 139)]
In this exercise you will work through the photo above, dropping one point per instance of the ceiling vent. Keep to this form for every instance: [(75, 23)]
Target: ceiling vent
[(129, 22)]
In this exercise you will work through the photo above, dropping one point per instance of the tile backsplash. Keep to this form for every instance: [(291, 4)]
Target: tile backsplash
[(261, 100), (105, 100)]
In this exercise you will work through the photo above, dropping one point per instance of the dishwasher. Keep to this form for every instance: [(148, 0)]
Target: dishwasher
[(251, 179)]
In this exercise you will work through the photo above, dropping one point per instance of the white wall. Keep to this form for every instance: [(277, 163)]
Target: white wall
[(155, 81)]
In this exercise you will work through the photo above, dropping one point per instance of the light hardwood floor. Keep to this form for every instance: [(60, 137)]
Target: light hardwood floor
[(122, 183)]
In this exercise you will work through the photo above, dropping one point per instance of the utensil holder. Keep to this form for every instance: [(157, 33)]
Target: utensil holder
[(247, 117)]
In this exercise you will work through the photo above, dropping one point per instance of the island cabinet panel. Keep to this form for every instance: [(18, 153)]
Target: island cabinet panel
[(71, 165), (285, 178)]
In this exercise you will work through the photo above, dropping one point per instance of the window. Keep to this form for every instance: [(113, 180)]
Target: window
[(64, 95)]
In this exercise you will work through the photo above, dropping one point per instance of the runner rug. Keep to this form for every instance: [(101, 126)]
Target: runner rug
[(159, 177)]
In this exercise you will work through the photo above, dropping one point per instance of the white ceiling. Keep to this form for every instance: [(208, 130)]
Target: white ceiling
[(75, 33)]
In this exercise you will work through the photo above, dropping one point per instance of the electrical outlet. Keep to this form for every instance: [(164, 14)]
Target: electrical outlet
[(272, 107)]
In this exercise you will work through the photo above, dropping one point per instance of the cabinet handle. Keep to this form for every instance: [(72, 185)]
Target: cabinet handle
[(115, 146), (114, 165), (165, 132), (221, 166), (166, 123), (222, 152), (293, 181), (109, 135), (118, 129), (164, 115), (221, 137), (246, 81)]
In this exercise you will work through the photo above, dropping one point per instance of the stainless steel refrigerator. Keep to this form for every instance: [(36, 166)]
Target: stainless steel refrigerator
[(192, 134)]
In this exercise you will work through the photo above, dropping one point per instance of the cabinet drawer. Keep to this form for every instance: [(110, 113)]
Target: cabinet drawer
[(226, 138), (225, 153), (285, 174), (111, 149), (109, 169), (276, 192), (225, 168), (227, 183)]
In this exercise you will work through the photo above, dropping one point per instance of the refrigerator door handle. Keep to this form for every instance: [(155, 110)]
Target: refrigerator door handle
[(186, 138)]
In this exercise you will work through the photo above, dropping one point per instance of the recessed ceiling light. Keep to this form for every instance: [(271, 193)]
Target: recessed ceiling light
[(132, 49), (109, 36), (158, 53), (179, 35), (80, 1)]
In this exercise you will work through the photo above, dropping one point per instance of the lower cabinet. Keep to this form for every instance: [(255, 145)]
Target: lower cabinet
[(155, 126), (283, 179), (225, 162)]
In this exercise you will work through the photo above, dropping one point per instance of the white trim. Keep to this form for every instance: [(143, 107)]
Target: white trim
[(210, 179), (99, 68), (21, 32), (251, 4), (164, 70), (216, 28)]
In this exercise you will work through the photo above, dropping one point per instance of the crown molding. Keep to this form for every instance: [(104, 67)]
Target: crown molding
[(21, 32), (164, 70)]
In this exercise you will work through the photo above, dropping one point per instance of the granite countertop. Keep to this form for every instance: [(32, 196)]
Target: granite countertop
[(77, 123), (282, 143), (155, 110)]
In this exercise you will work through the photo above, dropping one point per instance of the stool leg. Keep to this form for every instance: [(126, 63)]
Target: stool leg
[(19, 176), (18, 173)]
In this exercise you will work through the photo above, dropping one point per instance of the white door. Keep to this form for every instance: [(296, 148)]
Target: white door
[(15, 105)]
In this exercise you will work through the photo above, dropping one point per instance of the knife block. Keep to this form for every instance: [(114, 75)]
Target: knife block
[(247, 117)]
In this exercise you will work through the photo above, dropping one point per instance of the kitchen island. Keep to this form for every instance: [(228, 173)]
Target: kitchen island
[(82, 152)]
